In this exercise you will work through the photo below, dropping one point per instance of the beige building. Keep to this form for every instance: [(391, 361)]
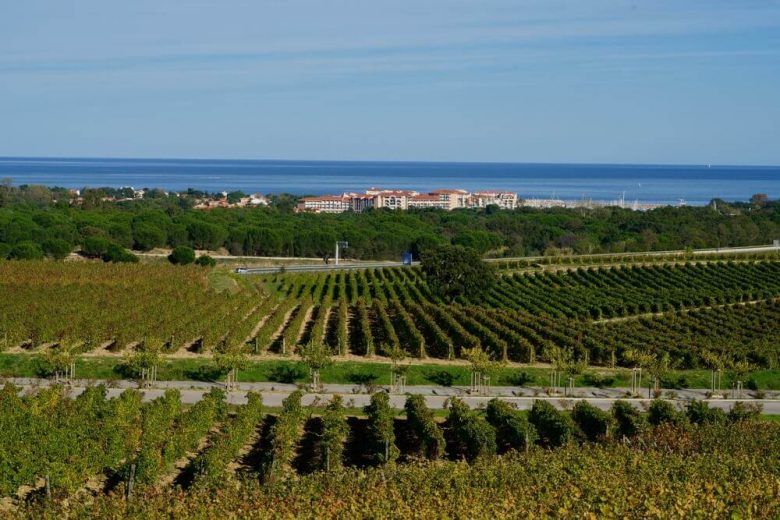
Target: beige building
[(502, 199), (404, 199), (325, 204)]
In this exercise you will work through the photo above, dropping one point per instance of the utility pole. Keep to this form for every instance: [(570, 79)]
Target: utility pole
[(340, 244)]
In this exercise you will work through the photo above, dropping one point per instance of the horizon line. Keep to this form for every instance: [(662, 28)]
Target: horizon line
[(386, 161)]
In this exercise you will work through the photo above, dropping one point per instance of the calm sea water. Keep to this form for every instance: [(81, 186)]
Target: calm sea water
[(645, 183)]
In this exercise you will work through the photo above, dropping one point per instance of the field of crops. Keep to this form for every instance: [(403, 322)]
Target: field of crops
[(97, 457), (601, 315)]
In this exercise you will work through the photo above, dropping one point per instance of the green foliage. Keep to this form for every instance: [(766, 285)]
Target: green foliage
[(513, 431), (335, 430), (26, 250), (716, 473), (285, 433), (555, 428), (660, 412), (471, 434), (742, 411), (381, 435), (427, 437), (630, 421), (205, 261), (182, 255), (190, 427), (595, 424), (209, 467), (95, 246), (56, 248), (699, 412), (118, 254), (454, 271)]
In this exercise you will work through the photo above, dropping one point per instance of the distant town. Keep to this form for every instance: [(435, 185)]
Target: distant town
[(445, 199), (373, 198)]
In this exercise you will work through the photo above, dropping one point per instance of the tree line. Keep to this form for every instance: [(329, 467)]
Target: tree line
[(37, 221)]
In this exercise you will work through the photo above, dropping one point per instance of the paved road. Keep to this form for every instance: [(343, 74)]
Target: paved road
[(436, 397), (320, 268), (351, 266)]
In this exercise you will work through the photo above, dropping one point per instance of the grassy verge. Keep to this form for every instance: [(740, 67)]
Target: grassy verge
[(367, 373)]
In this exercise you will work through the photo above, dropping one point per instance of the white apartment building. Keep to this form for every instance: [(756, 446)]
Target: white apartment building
[(502, 199), (451, 199), (325, 204), (404, 199), (428, 201), (391, 199)]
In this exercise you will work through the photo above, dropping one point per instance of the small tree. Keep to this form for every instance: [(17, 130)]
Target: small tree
[(740, 369), (563, 363), (315, 355), (60, 362), (482, 369), (398, 369), (143, 362), (229, 361), (716, 361)]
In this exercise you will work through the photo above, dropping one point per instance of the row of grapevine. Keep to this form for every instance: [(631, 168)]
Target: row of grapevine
[(210, 466)]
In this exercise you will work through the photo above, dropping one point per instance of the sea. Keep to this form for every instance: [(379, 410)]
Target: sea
[(646, 184)]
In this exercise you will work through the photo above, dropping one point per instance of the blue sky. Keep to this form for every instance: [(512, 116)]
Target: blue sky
[(656, 81)]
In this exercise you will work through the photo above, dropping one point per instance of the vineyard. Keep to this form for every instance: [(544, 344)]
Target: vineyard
[(95, 457), (693, 312)]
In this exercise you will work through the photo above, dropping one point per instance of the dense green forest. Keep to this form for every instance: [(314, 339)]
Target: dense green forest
[(37, 221)]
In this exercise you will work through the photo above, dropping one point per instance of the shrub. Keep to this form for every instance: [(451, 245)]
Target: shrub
[(335, 430), (428, 438), (182, 255), (742, 411), (554, 428), (205, 261), (630, 421), (598, 380), (472, 436), (26, 251), (661, 412), (699, 412), (116, 253), (95, 247), (513, 431), (380, 429), (56, 248), (594, 423)]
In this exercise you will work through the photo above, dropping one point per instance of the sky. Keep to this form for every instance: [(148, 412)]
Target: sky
[(655, 81)]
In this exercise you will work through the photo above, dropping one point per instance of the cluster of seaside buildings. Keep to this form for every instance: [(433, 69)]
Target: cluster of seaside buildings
[(448, 199), (407, 199)]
